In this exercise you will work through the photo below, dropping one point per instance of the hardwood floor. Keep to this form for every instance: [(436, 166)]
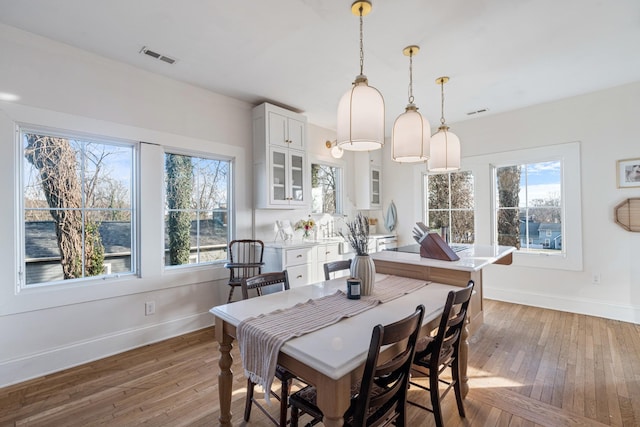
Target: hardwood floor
[(527, 367)]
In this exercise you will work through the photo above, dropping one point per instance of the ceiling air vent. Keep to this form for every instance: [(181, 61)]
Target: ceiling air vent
[(157, 55), (482, 110)]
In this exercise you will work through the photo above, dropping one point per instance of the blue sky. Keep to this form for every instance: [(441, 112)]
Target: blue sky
[(543, 180)]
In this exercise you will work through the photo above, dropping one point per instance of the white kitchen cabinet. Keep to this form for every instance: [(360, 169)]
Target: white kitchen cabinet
[(303, 261), (284, 129), (326, 252), (298, 260), (368, 182), (280, 165)]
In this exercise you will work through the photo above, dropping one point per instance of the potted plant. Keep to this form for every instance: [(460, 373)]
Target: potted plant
[(362, 265)]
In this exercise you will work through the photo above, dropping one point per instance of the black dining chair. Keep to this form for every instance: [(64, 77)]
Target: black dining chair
[(262, 283), (245, 260), (380, 397), (435, 354), (332, 267)]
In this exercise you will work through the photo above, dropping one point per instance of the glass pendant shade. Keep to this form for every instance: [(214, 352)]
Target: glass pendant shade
[(360, 124), (445, 151), (337, 152), (411, 136)]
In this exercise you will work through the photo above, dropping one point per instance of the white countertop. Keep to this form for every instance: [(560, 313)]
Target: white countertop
[(339, 348), (474, 258)]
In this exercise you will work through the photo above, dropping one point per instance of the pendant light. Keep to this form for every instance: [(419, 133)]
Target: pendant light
[(360, 124), (445, 145), (411, 131)]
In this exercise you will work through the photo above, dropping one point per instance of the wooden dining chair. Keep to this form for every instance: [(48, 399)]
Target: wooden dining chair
[(434, 354), (245, 260), (332, 267), (271, 282), (380, 397)]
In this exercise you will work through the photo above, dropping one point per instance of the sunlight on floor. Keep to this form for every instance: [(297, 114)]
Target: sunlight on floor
[(483, 379)]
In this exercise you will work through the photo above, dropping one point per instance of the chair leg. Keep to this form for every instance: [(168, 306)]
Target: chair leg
[(284, 402), (230, 293), (455, 374), (249, 400), (294, 416), (435, 398)]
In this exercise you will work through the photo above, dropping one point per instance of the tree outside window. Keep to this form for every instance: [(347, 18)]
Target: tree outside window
[(325, 184), (77, 207), (450, 205), (197, 210), (529, 206)]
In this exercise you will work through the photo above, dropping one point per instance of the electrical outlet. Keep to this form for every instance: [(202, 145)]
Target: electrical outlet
[(595, 278), (149, 308)]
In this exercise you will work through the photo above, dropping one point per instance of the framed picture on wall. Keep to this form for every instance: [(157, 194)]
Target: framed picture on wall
[(628, 173)]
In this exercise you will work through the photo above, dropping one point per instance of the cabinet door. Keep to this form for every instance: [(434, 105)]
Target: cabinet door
[(375, 187), (296, 131), (297, 171), (278, 177), (278, 130), (300, 275)]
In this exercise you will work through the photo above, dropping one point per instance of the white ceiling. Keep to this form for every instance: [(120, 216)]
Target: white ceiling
[(303, 54)]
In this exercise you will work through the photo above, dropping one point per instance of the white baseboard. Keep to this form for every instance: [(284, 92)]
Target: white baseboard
[(54, 360), (573, 305)]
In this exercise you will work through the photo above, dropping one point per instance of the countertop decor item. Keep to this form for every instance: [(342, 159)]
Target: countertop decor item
[(358, 236), (306, 225), (362, 266)]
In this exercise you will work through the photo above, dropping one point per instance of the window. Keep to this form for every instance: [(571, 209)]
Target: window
[(529, 206), (536, 204), (78, 207), (197, 209), (325, 189), (450, 205)]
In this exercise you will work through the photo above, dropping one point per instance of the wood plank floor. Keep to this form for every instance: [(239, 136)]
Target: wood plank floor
[(527, 366)]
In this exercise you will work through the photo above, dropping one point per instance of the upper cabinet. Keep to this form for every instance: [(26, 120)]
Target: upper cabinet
[(280, 165), (368, 181), (286, 130)]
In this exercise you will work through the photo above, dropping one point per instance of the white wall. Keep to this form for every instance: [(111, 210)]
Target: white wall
[(606, 125), (45, 330)]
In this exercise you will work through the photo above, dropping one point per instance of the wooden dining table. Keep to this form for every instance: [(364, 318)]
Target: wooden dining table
[(331, 358)]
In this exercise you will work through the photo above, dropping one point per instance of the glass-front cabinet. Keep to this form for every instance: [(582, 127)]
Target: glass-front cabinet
[(375, 187), (287, 177), (368, 181), (280, 164)]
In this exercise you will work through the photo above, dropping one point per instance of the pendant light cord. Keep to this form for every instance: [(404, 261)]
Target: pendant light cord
[(361, 45), (411, 76), (442, 102)]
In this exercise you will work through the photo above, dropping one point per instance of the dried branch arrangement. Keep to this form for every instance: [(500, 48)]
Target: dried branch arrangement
[(358, 236)]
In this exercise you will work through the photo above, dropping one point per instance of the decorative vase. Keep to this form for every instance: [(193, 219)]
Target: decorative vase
[(364, 269)]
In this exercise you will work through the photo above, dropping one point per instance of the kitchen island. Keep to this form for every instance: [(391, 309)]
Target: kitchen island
[(406, 261)]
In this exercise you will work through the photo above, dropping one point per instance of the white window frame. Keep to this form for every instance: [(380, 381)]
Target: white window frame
[(22, 128), (570, 257)]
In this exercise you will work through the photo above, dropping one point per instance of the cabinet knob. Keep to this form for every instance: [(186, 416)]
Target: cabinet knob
[(299, 256), (299, 276)]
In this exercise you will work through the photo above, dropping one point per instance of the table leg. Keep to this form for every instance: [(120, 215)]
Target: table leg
[(464, 357), (333, 400), (225, 377)]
